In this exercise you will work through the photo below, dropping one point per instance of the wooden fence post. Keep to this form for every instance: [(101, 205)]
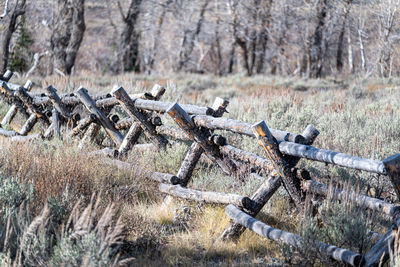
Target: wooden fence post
[(212, 151), (28, 101), (266, 191), (271, 149), (195, 151), (143, 119), (57, 103), (135, 130), (90, 104), (392, 166), (14, 109), (27, 127)]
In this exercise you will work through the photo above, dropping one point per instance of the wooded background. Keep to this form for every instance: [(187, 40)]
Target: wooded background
[(308, 38)]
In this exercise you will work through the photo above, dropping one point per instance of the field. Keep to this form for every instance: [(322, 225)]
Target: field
[(44, 180)]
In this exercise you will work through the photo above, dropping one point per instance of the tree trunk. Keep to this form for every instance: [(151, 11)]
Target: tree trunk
[(315, 48), (67, 34), (340, 49), (19, 10), (189, 38), (127, 58)]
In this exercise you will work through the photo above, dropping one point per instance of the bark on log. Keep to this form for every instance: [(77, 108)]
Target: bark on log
[(141, 118), (271, 148), (130, 139), (193, 155), (392, 167), (9, 96), (212, 151), (56, 123), (56, 100), (239, 127), (155, 176), (268, 188), (90, 104), (339, 254), (82, 125), (89, 135), (204, 196), (14, 109), (29, 124), (379, 253), (361, 200), (28, 101), (328, 156), (7, 133), (7, 75), (26, 138), (135, 130)]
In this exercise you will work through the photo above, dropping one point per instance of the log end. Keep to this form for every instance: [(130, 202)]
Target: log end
[(310, 133)]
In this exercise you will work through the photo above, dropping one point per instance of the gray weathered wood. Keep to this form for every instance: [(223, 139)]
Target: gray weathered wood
[(336, 253), (7, 133), (90, 134), (154, 176), (211, 150), (135, 130), (204, 196), (242, 128), (332, 157), (82, 125), (392, 167), (90, 104), (271, 149), (195, 151), (130, 139), (29, 124), (57, 103), (379, 253), (14, 109), (28, 102), (7, 76), (268, 188), (361, 200), (142, 119), (56, 123), (19, 138)]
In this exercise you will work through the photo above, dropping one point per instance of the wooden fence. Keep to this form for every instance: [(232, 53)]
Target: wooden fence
[(283, 150)]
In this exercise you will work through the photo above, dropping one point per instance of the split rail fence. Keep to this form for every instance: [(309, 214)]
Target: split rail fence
[(283, 150)]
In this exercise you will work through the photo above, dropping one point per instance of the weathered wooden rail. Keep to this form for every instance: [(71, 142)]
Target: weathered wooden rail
[(283, 150)]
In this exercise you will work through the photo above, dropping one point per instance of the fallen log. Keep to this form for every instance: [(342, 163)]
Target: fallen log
[(336, 253), (82, 125), (57, 103), (205, 196)]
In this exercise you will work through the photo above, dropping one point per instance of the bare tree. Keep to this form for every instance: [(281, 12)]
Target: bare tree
[(67, 34), (314, 47), (388, 14), (339, 54), (17, 11), (189, 38), (127, 58), (250, 31)]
